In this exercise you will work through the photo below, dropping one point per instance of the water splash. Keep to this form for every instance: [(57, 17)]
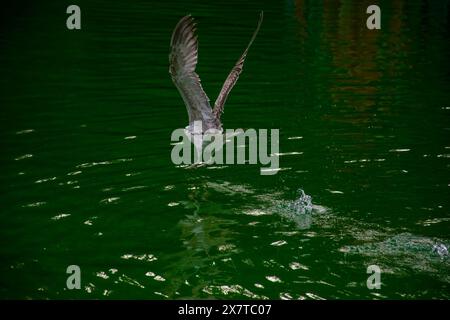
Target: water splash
[(441, 250), (300, 211), (303, 205)]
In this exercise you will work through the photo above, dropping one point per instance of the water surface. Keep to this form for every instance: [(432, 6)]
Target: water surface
[(86, 179)]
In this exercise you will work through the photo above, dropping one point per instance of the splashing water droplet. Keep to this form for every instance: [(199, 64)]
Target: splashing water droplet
[(303, 204)]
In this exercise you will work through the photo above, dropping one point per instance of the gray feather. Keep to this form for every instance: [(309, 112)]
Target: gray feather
[(183, 60), (233, 77)]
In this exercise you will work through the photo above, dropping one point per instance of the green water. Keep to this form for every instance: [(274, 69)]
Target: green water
[(87, 180)]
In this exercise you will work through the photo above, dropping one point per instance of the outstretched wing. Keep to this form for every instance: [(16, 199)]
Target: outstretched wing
[(233, 76), (183, 60)]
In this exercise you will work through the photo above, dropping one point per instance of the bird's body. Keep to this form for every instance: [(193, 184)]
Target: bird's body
[(183, 61)]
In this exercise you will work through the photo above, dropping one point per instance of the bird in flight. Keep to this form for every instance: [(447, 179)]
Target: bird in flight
[(183, 60)]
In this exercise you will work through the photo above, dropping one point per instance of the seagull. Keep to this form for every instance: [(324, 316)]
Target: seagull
[(183, 59)]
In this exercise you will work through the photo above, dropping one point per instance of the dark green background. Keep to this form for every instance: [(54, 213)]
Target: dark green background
[(372, 108)]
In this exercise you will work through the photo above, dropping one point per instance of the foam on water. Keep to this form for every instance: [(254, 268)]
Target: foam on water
[(406, 252)]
